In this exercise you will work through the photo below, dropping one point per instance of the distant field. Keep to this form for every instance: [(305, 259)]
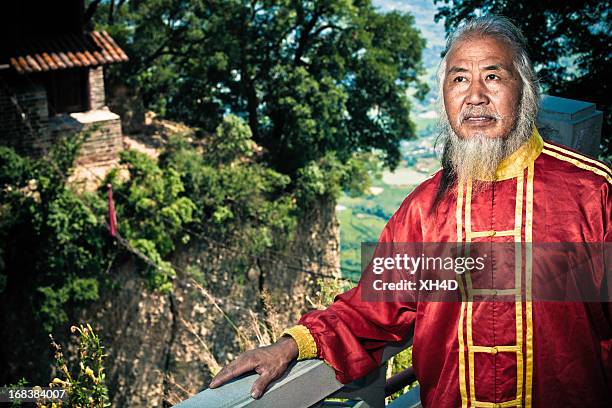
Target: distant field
[(362, 219), (423, 123), (404, 176)]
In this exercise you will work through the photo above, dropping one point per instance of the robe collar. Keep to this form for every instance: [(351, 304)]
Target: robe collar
[(513, 165)]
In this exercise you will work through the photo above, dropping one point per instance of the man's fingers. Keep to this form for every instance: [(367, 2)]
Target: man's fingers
[(261, 384), (232, 370)]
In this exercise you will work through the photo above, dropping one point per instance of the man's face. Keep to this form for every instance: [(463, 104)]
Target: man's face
[(481, 88)]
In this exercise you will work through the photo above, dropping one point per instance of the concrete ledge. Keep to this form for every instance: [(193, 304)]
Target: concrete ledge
[(304, 384), (94, 115)]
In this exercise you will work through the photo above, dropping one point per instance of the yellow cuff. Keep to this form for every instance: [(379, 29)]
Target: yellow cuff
[(307, 348)]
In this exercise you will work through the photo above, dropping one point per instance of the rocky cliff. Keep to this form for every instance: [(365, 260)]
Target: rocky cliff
[(163, 348)]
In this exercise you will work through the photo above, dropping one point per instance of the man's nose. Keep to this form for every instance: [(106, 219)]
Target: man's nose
[(477, 94)]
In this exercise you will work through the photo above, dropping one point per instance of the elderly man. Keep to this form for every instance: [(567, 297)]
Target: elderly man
[(500, 182)]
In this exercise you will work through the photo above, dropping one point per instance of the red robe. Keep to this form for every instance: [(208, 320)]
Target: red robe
[(489, 354)]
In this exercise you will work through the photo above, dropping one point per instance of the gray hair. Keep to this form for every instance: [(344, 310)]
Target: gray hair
[(503, 29)]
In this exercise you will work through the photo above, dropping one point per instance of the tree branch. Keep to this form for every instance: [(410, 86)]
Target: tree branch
[(305, 37), (91, 9), (325, 27), (111, 12)]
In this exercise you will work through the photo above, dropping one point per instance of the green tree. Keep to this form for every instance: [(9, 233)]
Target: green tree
[(51, 243), (56, 253), (569, 44), (309, 77)]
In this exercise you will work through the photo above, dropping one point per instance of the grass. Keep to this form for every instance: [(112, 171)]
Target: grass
[(363, 218)]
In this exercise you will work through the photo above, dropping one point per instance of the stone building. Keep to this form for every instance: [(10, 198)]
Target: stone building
[(52, 79)]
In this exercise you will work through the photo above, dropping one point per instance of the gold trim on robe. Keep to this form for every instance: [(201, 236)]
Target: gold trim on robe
[(513, 165), (307, 348)]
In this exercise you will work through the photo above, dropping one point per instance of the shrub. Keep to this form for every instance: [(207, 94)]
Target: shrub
[(84, 384)]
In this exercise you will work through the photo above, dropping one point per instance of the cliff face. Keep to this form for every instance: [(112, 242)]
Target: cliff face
[(162, 348)]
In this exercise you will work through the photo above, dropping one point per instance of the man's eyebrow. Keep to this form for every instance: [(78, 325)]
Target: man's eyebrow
[(496, 67), (455, 69)]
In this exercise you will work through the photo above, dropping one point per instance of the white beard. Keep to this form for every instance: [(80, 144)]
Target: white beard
[(478, 157)]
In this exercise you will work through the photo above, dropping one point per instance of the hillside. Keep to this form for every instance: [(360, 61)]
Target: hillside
[(363, 218)]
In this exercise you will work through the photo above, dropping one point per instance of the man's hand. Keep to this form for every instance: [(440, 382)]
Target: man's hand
[(269, 362)]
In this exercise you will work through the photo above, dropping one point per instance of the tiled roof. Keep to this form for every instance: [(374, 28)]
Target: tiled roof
[(66, 51)]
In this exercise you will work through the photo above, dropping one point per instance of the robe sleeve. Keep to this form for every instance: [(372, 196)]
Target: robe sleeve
[(606, 344), (607, 248), (350, 335)]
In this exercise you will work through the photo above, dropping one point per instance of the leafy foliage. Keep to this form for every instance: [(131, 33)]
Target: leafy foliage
[(84, 384), (151, 211), (328, 290), (397, 364), (219, 193), (235, 196), (53, 247), (310, 78), (20, 384)]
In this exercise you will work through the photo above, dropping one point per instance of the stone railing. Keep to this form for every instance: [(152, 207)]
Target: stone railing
[(309, 383)]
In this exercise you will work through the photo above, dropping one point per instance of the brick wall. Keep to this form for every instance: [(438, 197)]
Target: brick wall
[(27, 127), (101, 129), (96, 87), (24, 117), (104, 144)]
